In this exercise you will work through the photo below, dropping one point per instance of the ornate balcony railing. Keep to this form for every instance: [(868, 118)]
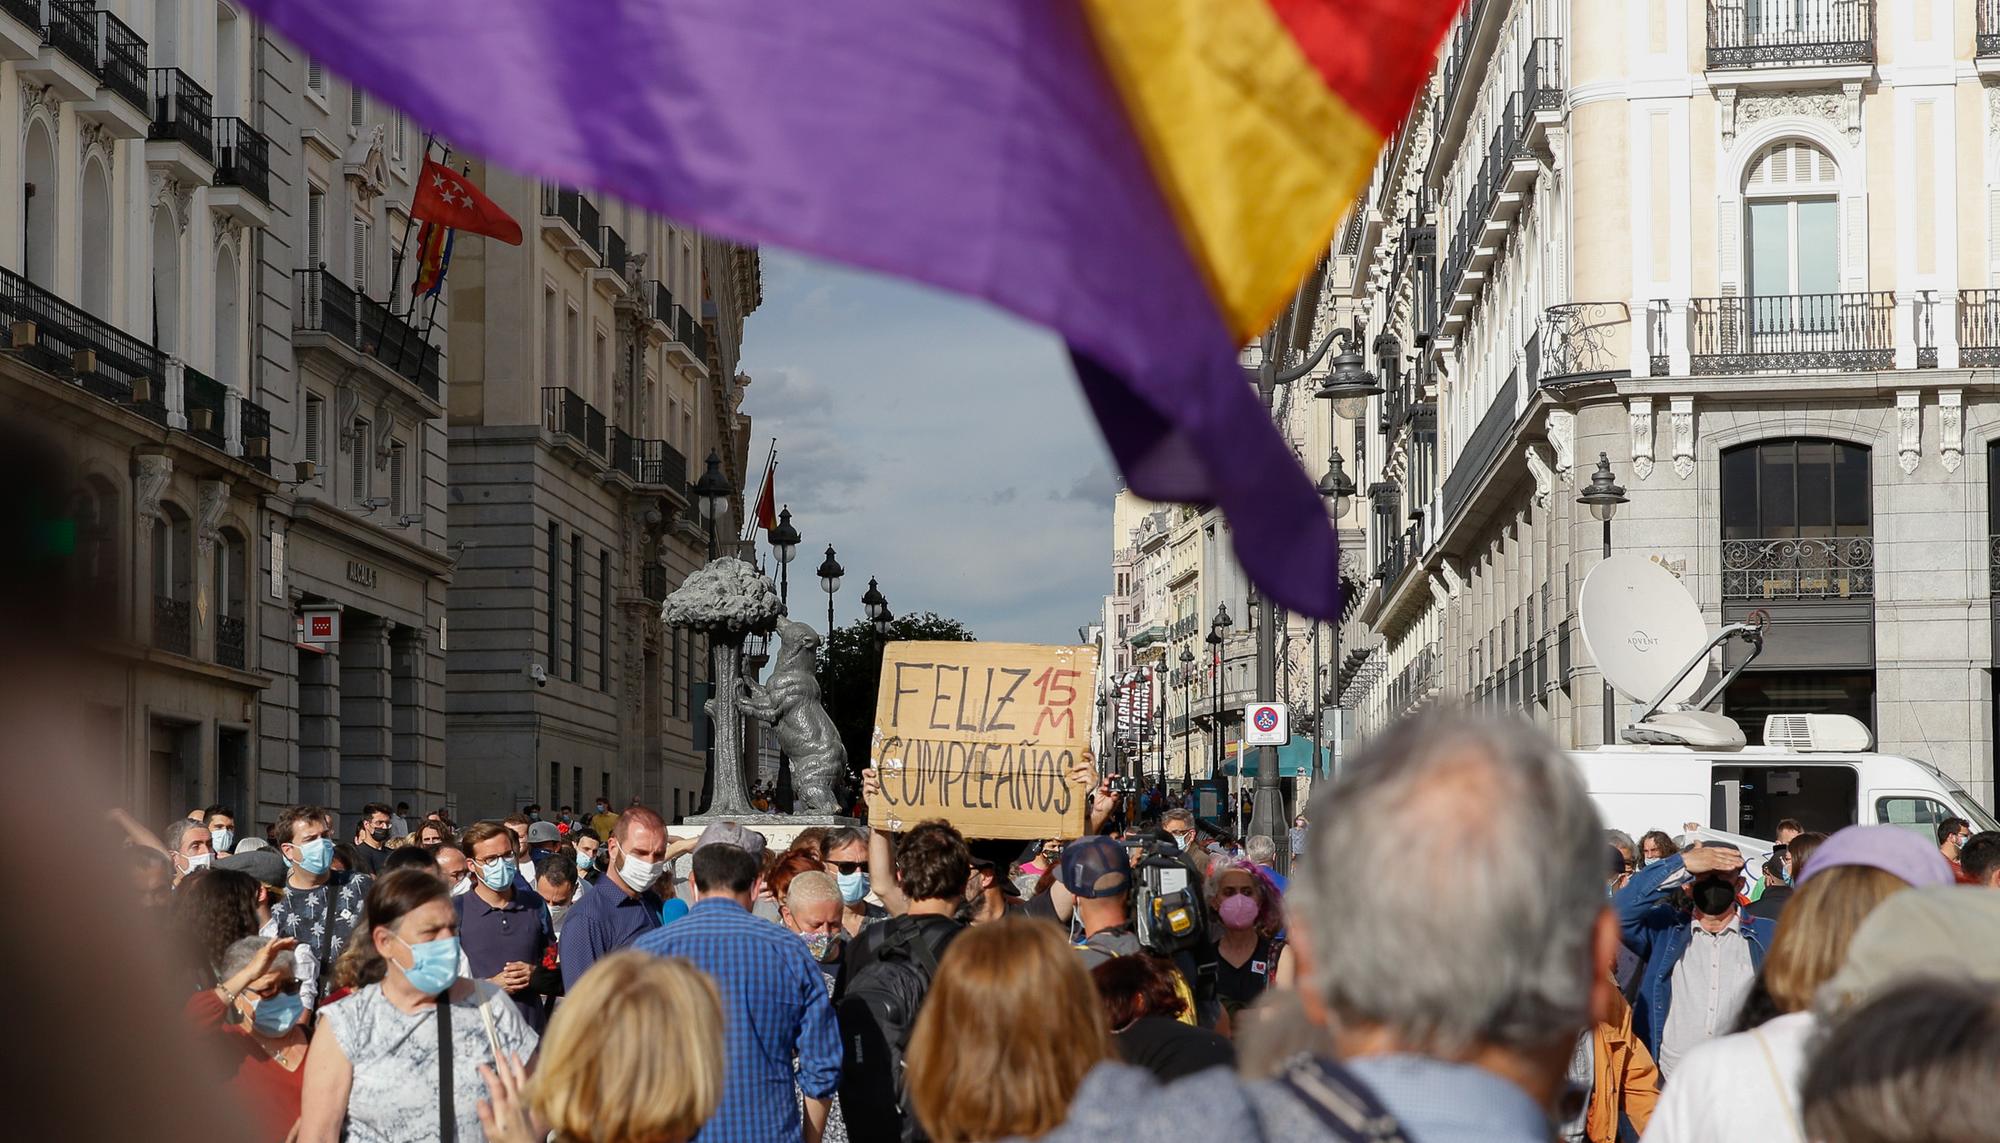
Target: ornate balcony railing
[(659, 303), (1542, 75), (173, 625), (67, 341), (330, 306), (1784, 332), (28, 12), (70, 28), (1832, 567), (611, 245), (661, 463), (1659, 350), (1979, 327), (1584, 338), (578, 211), (565, 412), (1747, 33), (689, 332), (121, 59), (1986, 25), (256, 434), (182, 112), (206, 400), (229, 641), (624, 453), (242, 157)]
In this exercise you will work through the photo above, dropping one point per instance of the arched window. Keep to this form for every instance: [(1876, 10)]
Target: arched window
[(166, 281), (173, 580), (96, 239), (1796, 521), (228, 323), (40, 194), (1791, 236), (230, 598)]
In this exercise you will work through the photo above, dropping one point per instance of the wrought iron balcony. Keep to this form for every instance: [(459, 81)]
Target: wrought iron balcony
[(659, 304), (229, 641), (576, 211), (243, 157), (27, 12), (611, 245), (70, 29), (1752, 33), (1584, 339), (121, 60), (182, 112), (330, 306), (566, 413), (1791, 332), (1542, 82), (1979, 327), (256, 434), (173, 625), (689, 332), (1993, 565), (662, 464), (1659, 317), (1830, 567), (97, 356), (1986, 26), (206, 401)]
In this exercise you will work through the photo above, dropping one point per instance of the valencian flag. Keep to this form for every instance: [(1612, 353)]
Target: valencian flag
[(1149, 178), (433, 258)]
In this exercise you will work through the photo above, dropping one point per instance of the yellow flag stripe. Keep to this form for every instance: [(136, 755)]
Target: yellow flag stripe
[(1256, 156)]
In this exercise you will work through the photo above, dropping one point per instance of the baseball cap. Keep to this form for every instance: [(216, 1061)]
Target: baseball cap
[(730, 833), (543, 831), (1096, 867), (1001, 881), (1891, 849), (263, 864)]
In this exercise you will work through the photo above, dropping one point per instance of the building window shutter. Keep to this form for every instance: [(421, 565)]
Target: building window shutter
[(315, 77), (315, 409), (358, 474), (400, 137), (315, 228), (396, 477), (356, 108), (360, 257)]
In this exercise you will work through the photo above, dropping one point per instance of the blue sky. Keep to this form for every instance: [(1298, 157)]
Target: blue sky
[(940, 446)]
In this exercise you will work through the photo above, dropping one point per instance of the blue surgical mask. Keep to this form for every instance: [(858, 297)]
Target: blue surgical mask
[(224, 839), (315, 856), (586, 861), (275, 1015), (497, 874), (853, 886), (1649, 861), (433, 965)]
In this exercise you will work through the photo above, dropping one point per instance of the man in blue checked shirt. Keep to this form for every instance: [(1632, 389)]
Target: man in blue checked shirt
[(774, 1006)]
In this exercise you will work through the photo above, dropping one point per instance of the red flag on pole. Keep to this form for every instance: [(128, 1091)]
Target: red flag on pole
[(449, 199), (767, 500)]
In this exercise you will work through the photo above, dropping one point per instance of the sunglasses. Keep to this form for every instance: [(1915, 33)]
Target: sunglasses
[(848, 866)]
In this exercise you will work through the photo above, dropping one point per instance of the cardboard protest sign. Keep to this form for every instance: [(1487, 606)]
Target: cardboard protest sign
[(983, 735)]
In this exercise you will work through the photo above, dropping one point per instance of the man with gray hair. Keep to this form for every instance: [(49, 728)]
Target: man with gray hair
[(1261, 850), (1454, 991)]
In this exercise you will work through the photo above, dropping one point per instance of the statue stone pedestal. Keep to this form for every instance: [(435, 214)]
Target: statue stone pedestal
[(779, 830)]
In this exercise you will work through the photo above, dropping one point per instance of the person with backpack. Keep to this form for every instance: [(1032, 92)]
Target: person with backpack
[(887, 973)]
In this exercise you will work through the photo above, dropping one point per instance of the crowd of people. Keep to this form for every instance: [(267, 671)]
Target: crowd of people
[(533, 977)]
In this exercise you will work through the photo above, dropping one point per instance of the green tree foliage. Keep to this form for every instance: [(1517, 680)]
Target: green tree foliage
[(851, 670)]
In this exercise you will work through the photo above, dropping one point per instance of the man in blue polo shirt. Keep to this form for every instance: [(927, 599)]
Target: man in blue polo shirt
[(622, 907), (503, 926)]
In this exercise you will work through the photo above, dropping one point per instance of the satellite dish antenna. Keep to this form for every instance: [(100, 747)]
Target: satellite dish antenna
[(1650, 641)]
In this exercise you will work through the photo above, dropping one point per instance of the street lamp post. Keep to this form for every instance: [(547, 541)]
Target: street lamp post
[(830, 572), (712, 491), (1603, 498), (1338, 488), (1187, 714), (784, 545), (872, 600), (1216, 629), (1160, 684)]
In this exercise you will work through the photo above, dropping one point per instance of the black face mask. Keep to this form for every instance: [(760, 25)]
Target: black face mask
[(379, 833), (1712, 898)]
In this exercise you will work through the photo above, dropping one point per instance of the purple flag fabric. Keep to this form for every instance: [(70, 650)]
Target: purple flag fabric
[(976, 146)]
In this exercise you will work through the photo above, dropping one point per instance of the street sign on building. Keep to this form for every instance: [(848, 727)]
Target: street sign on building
[(319, 626), (1266, 724)]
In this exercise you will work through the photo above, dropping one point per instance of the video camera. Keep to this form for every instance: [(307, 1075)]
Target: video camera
[(1169, 914)]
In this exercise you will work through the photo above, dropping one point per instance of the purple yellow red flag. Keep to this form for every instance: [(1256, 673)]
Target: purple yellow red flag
[(1148, 178), (433, 258)]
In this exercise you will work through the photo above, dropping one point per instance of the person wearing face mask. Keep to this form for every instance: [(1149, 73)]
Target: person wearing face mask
[(376, 1069), (1180, 826), (221, 823), (1952, 834), (250, 1025), (847, 860), (189, 845), (1697, 947), (504, 927), (321, 905), (1249, 954), (371, 837), (589, 848), (625, 904), (811, 908)]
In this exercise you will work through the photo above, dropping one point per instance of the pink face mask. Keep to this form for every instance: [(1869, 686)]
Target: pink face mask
[(1238, 911)]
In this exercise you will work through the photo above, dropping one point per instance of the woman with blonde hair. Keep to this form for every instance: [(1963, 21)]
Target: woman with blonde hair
[(1012, 1005), (1746, 1086), (632, 1055)]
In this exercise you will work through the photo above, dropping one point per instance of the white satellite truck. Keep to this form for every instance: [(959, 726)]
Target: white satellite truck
[(1680, 762)]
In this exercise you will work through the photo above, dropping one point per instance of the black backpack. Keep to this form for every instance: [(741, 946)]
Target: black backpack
[(877, 1011)]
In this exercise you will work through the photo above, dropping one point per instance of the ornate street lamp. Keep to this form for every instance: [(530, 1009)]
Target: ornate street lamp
[(1350, 384), (1216, 629), (1603, 497), (712, 492), (884, 621), (1336, 485), (784, 545), (1187, 718), (830, 572), (872, 600)]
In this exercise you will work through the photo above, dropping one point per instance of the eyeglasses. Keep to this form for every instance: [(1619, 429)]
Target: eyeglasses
[(848, 866)]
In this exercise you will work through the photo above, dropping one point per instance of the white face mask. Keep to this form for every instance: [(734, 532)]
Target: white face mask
[(637, 875), (198, 861), (461, 887)]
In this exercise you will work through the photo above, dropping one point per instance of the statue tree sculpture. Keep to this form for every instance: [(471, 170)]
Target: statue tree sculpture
[(790, 705), (727, 601)]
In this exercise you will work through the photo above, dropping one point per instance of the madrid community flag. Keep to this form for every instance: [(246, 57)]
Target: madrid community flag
[(449, 199), (1148, 178)]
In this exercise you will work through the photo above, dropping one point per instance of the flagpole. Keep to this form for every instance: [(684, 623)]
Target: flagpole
[(396, 266), (750, 517)]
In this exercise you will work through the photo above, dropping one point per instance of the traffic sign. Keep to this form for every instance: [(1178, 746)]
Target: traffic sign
[(1266, 724)]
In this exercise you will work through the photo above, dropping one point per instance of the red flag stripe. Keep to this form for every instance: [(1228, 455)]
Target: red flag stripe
[(1373, 54)]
